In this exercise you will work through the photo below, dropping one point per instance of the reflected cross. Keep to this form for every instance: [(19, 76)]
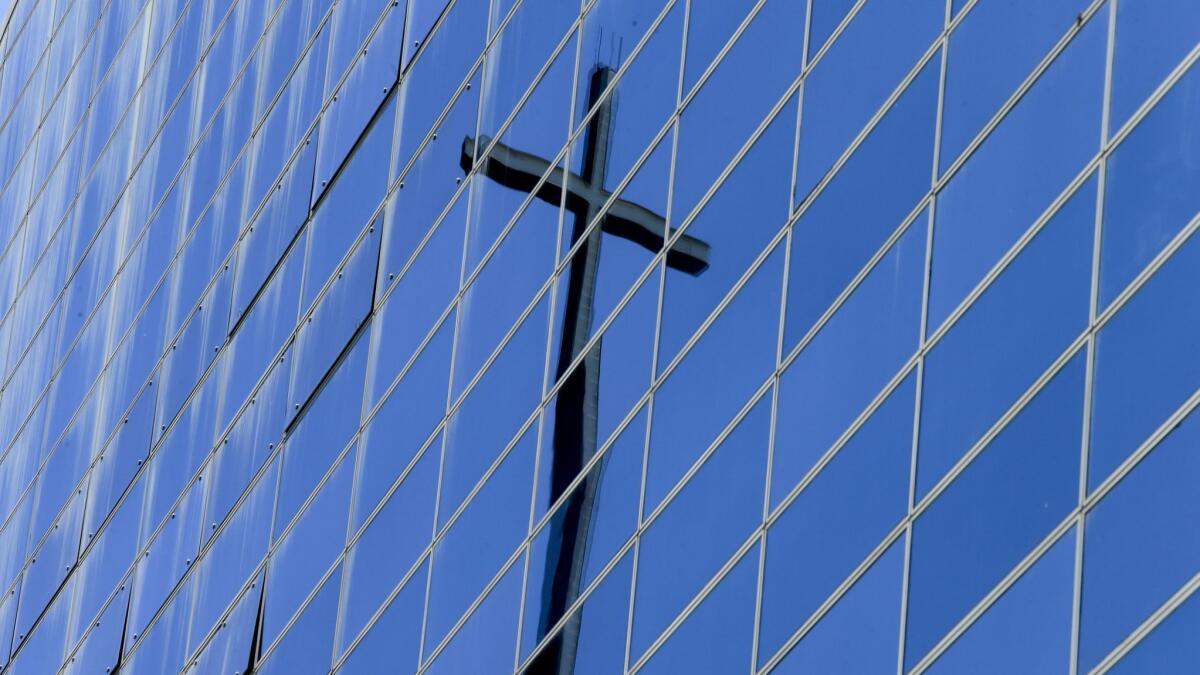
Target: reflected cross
[(577, 401)]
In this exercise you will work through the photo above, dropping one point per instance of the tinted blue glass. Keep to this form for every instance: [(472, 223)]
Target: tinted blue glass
[(978, 83), (710, 130), (582, 535), (710, 25), (403, 424), (1147, 198), (1170, 648), (389, 546), (162, 649), (48, 567), (592, 640), (230, 646), (1032, 311), (369, 81), (1013, 176), (718, 635), (809, 553), (824, 17), (493, 412), (839, 231), (307, 645), (1133, 560), (102, 646), (395, 637), (1145, 364), (1172, 27), (484, 644), (479, 541), (883, 42), (321, 434), (857, 635), (419, 299), (1024, 483), (334, 321), (848, 362), (425, 191), (235, 552), (306, 552), (1034, 613), (346, 208), (735, 224), (714, 380), (722, 503)]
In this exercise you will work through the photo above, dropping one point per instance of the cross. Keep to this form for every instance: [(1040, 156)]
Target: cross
[(574, 441)]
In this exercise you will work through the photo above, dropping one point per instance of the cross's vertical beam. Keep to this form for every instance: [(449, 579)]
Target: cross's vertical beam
[(577, 402)]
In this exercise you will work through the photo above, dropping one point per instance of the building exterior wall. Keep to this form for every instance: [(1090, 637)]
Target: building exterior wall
[(547, 336)]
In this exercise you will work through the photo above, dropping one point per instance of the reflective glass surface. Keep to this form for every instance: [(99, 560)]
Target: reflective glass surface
[(598, 336)]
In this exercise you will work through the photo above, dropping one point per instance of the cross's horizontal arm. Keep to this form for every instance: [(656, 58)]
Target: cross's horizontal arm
[(522, 171)]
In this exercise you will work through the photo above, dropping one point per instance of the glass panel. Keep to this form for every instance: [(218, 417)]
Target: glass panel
[(825, 16), (850, 360), (1023, 484), (1134, 556), (307, 645), (162, 650), (719, 633), (710, 25), (395, 637), (102, 646), (306, 553), (1017, 328), (715, 379), (978, 83), (1035, 613), (47, 570), (1151, 38), (272, 231), (346, 209), (518, 54), (334, 321), (423, 194), (755, 73), (389, 546), (881, 44), (235, 552), (1170, 648), (839, 230), (369, 81), (592, 640), (105, 563), (479, 541), (162, 564), (231, 645), (504, 288), (403, 424), (119, 460), (484, 644), (583, 534), (858, 634), (428, 87), (809, 553), (420, 298), (721, 504), (1018, 170), (1146, 363), (321, 434), (493, 412), (727, 234), (1147, 187), (603, 388)]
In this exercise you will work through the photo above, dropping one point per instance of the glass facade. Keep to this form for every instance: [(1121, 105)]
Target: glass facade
[(599, 336)]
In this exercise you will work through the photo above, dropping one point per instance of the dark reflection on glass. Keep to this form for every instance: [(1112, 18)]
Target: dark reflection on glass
[(576, 408), (594, 637), (586, 530)]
